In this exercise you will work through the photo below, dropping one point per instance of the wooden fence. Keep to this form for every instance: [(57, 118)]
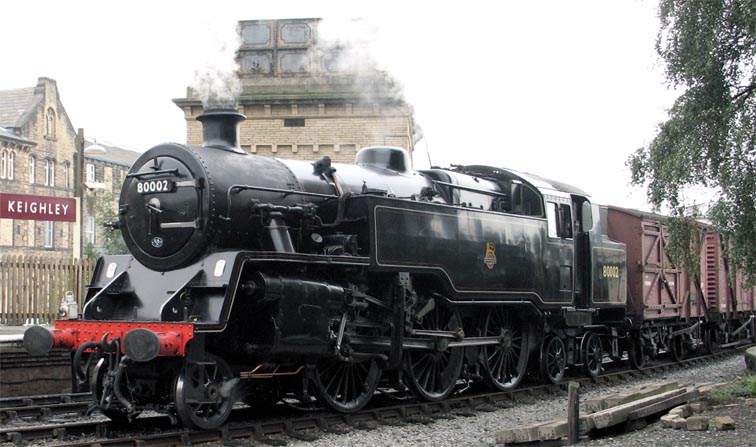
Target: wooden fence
[(32, 287)]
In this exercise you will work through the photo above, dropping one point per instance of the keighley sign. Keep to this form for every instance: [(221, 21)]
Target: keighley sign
[(27, 207)]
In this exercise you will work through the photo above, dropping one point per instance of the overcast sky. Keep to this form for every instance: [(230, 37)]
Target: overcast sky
[(563, 89)]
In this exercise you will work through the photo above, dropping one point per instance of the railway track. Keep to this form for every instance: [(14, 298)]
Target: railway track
[(43, 407), (159, 430)]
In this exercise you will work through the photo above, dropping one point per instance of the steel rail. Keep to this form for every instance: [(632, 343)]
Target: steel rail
[(311, 426)]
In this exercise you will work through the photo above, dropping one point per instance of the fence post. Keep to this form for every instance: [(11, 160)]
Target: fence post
[(573, 411)]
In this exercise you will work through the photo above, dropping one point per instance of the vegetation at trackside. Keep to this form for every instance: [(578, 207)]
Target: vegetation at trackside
[(112, 241), (709, 140), (743, 388)]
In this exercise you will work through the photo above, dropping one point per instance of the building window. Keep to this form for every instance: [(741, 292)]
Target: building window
[(90, 172), (8, 162), (89, 230), (32, 169), (66, 178), (50, 172), (4, 165), (49, 234), (50, 124), (294, 122)]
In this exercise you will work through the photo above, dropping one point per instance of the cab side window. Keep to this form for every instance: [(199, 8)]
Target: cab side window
[(526, 201), (559, 217)]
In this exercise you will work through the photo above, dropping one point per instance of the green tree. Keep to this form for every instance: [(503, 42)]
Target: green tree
[(709, 48), (112, 243)]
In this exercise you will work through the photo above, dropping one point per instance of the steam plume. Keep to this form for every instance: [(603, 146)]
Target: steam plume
[(217, 84)]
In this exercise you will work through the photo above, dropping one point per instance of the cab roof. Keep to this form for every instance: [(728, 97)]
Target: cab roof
[(543, 185)]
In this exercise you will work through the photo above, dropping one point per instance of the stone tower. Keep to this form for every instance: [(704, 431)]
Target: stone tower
[(305, 99)]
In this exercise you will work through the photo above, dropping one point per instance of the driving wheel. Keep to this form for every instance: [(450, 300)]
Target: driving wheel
[(431, 374), (504, 362)]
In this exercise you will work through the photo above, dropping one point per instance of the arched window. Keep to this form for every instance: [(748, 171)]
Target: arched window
[(11, 165), (32, 169), (4, 165), (50, 123)]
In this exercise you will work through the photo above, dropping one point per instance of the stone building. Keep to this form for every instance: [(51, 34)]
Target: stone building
[(304, 98), (107, 172), (37, 146)]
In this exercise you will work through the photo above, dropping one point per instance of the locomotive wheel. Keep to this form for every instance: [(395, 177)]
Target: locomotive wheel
[(202, 400), (637, 353), (97, 384), (553, 359), (593, 354), (346, 386), (504, 363), (432, 374), (711, 342), (677, 348)]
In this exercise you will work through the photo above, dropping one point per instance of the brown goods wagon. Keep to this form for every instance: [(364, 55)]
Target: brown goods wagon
[(657, 289), (724, 289)]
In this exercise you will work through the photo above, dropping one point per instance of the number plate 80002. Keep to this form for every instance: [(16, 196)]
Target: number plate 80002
[(153, 186)]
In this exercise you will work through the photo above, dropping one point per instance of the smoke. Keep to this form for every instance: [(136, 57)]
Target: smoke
[(217, 88), (217, 83), (347, 48)]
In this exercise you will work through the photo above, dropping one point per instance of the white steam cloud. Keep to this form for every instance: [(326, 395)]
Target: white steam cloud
[(348, 46), (217, 88), (217, 83)]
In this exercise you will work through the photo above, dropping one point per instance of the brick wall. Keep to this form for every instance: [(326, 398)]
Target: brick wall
[(336, 130)]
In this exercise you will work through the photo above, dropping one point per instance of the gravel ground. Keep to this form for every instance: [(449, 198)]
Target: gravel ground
[(654, 435), (481, 430)]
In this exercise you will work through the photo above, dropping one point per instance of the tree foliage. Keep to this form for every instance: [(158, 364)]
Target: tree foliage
[(709, 47), (112, 240)]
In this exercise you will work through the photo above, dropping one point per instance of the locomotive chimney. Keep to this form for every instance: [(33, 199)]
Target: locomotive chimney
[(220, 129)]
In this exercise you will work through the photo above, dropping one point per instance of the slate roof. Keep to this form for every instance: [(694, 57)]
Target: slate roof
[(115, 154), (15, 104), (8, 135)]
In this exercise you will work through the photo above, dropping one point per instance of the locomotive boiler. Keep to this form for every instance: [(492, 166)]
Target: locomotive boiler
[(254, 279)]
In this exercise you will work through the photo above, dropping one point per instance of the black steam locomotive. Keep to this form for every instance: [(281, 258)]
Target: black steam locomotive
[(254, 278)]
